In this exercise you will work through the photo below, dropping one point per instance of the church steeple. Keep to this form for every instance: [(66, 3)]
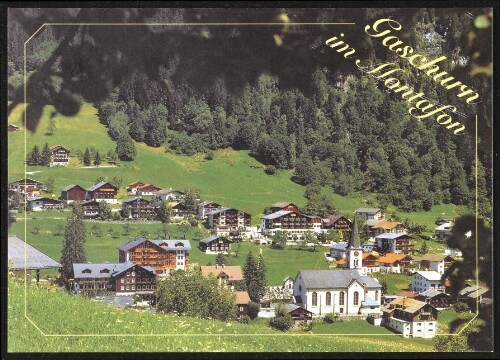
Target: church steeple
[(354, 242)]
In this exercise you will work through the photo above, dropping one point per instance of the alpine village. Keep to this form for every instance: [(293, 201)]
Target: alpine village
[(200, 213)]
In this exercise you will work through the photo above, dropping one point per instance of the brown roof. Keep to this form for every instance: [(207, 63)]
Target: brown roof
[(242, 297), (233, 272), (408, 294), (391, 258), (387, 225), (408, 305), (149, 186), (136, 183), (434, 257), (55, 147)]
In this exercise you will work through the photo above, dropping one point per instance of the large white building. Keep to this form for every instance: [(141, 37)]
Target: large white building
[(346, 292), (425, 280), (410, 317), (293, 223)]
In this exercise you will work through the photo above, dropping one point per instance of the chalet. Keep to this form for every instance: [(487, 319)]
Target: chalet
[(386, 226), (44, 204), (207, 207), (90, 209), (369, 246), (215, 244), (242, 300), (338, 250), (169, 195), (229, 275), (12, 128), (395, 243), (123, 278), (340, 291), (73, 193), (437, 299), (371, 223), (443, 231), (138, 208), (179, 210), (395, 263), (162, 255), (147, 189), (102, 191), (59, 156), (285, 206), (226, 220), (298, 313), (293, 222), (425, 280), (437, 262), (369, 264), (132, 187), (288, 283), (24, 185), (339, 223), (410, 317), (369, 213), (473, 294)]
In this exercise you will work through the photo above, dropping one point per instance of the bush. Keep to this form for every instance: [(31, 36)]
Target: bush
[(253, 309), (330, 318), (193, 222), (461, 307), (283, 320), (244, 319), (306, 326), (270, 170)]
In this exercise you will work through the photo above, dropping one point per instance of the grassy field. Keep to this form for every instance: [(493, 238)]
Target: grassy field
[(67, 323), (396, 283), (232, 178)]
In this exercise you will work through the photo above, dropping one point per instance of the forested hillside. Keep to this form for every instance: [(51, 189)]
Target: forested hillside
[(333, 125)]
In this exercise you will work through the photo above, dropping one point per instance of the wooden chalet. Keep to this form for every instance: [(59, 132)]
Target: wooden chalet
[(437, 299), (226, 220), (410, 317), (395, 263), (294, 223), (299, 313), (179, 210), (386, 226), (102, 191), (12, 128), (242, 300), (59, 155), (169, 195), (395, 243), (229, 275), (123, 278), (73, 193), (473, 293), (369, 263), (162, 255), (44, 204), (138, 208), (207, 207), (25, 185), (90, 209), (132, 187), (147, 189), (437, 262), (340, 223), (215, 244), (286, 206)]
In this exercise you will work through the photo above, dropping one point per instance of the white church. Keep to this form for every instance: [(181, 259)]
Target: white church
[(346, 292)]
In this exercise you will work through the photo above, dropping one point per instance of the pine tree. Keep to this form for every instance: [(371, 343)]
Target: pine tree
[(97, 159), (45, 156), (33, 157), (220, 259), (163, 213), (125, 148), (254, 272), (86, 158), (73, 250)]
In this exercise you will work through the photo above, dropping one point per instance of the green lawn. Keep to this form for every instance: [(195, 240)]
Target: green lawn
[(75, 323), (396, 283)]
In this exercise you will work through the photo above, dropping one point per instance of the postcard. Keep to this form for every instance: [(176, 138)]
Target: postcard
[(250, 179)]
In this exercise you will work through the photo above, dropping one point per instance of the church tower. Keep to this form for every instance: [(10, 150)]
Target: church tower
[(354, 250)]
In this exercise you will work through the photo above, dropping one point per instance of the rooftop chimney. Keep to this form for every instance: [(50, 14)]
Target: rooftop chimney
[(216, 266), (223, 265)]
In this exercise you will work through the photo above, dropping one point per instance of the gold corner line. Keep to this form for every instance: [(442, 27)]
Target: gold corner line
[(199, 24), (36, 32), (466, 325), (35, 325)]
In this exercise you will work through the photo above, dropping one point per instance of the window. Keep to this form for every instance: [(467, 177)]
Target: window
[(122, 281), (328, 298), (356, 263), (376, 295), (122, 287), (242, 309), (341, 310), (356, 298), (341, 298), (314, 299)]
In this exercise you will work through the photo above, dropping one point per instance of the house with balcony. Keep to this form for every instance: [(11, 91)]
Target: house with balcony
[(215, 244), (59, 156), (228, 220), (410, 317), (425, 280), (369, 213), (395, 243), (102, 191), (293, 223)]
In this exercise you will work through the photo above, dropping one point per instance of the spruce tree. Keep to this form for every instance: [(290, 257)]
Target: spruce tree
[(220, 259), (45, 155), (86, 158), (73, 250), (33, 158), (97, 159), (163, 213), (254, 272)]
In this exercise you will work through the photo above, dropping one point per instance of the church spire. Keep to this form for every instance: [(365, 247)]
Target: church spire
[(354, 236)]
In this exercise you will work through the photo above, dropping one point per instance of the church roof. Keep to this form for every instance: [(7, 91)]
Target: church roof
[(336, 279), (354, 236)]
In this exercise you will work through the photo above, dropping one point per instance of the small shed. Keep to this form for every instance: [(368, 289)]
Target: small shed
[(298, 312)]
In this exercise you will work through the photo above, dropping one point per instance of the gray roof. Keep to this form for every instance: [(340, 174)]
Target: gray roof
[(37, 198), (100, 184), (337, 279), (292, 307), (135, 199), (33, 259), (281, 213), (339, 246), (220, 210), (431, 293), (473, 291), (170, 244), (354, 236), (369, 302), (372, 222), (390, 236), (212, 238), (71, 187), (367, 210), (96, 269)]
